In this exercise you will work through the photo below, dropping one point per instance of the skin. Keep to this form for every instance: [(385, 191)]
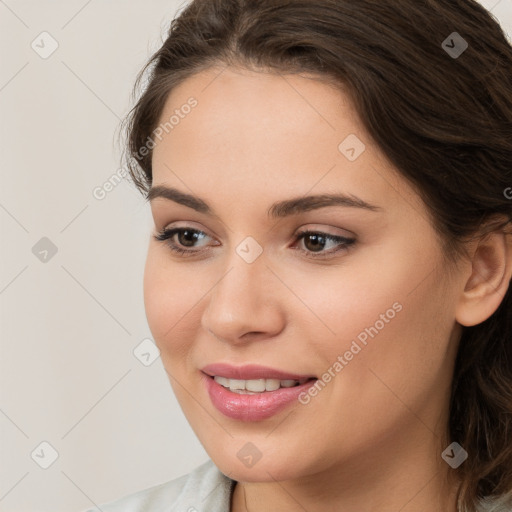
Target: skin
[(372, 439)]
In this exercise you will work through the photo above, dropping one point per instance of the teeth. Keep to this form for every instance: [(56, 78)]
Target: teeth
[(272, 384), (222, 381), (236, 384), (254, 385)]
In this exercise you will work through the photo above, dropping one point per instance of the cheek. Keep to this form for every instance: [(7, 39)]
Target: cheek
[(418, 341), (393, 317), (170, 295), (350, 299), (404, 363)]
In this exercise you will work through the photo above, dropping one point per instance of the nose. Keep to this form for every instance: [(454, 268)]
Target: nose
[(244, 305)]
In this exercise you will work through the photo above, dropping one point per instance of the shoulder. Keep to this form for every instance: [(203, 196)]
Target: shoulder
[(205, 489)]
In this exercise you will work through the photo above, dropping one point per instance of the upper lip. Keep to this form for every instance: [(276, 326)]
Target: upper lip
[(250, 371)]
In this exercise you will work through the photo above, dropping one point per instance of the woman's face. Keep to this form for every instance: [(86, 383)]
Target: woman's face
[(363, 303)]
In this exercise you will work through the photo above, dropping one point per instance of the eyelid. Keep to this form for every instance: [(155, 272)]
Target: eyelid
[(169, 232), (186, 225), (326, 230)]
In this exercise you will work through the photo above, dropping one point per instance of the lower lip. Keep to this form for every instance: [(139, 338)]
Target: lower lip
[(255, 407)]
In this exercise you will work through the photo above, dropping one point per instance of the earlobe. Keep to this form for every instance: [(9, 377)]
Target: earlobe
[(489, 280)]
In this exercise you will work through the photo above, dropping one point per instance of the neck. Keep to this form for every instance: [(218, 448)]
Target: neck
[(410, 477)]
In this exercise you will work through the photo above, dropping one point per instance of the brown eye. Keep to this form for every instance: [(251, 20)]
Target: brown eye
[(188, 237), (315, 242), (186, 240)]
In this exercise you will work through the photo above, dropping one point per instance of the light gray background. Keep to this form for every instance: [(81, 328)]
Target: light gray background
[(69, 325)]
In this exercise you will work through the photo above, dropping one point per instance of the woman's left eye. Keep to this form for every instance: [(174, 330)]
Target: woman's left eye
[(314, 241), (317, 241)]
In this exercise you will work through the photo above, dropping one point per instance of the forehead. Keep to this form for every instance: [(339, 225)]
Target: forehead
[(262, 103), (258, 131)]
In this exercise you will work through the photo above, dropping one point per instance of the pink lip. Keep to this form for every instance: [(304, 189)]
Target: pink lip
[(257, 407), (250, 371)]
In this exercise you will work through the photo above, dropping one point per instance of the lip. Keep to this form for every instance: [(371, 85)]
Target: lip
[(251, 371), (256, 407)]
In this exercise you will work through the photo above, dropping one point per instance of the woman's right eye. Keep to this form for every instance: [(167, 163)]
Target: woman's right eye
[(186, 238)]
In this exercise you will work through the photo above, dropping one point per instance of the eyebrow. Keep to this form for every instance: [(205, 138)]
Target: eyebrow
[(279, 209)]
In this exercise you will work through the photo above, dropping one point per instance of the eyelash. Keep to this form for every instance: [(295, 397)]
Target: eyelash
[(166, 236)]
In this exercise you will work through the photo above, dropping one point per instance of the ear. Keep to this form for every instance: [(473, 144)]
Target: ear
[(491, 271)]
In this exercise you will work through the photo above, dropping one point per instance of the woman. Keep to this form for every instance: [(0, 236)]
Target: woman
[(328, 278)]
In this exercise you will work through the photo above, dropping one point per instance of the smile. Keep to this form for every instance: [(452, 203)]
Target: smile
[(252, 392), (256, 385)]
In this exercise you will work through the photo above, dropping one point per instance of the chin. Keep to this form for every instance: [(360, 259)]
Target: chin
[(236, 463), (260, 472)]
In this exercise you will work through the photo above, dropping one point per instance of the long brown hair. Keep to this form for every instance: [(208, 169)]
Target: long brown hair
[(443, 118)]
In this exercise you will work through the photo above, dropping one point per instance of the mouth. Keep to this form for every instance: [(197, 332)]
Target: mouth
[(257, 386), (252, 372), (251, 392)]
